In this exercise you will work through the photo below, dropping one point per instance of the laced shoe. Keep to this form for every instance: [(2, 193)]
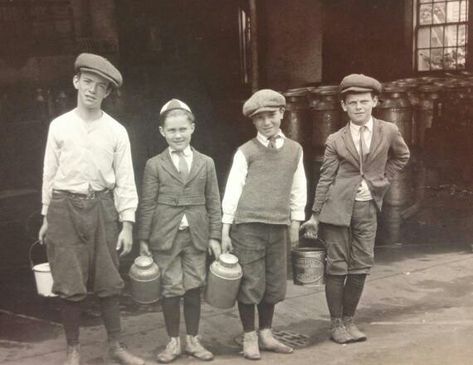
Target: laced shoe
[(269, 343), (353, 330), (250, 346), (72, 355), (194, 348), (172, 351), (118, 353), (338, 332)]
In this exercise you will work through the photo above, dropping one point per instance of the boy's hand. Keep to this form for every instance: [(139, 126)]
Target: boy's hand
[(311, 227), (214, 248), (43, 230), (125, 239), (294, 233), (144, 248)]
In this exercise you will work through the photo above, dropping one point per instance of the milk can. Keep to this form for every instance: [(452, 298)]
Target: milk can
[(223, 281), (308, 265), (145, 280), (296, 117)]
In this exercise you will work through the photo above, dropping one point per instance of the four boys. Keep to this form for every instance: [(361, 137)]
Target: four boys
[(180, 218)]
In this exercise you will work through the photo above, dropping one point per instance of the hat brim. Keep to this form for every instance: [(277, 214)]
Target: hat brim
[(100, 73), (266, 109), (358, 89)]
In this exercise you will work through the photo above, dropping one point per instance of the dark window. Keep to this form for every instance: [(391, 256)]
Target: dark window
[(441, 34)]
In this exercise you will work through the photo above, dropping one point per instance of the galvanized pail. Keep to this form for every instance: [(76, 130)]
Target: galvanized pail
[(308, 266)]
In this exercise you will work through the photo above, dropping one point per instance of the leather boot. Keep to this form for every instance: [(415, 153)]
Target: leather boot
[(117, 352), (353, 330), (194, 348), (172, 351), (338, 332), (250, 346), (269, 343), (72, 355)]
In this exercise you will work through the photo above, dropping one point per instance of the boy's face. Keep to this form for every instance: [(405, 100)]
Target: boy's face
[(177, 130), (268, 123), (359, 107), (92, 89)]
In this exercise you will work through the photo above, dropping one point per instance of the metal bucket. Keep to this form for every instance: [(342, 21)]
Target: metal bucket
[(308, 266), (42, 275)]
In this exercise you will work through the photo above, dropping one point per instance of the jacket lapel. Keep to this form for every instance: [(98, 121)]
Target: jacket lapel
[(349, 144), (375, 140), (168, 165), (197, 164)]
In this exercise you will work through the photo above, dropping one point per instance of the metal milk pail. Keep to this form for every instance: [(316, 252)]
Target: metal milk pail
[(223, 281), (42, 276), (308, 266), (145, 280)]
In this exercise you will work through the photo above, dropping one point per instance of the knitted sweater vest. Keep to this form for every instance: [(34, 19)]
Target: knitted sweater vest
[(266, 194)]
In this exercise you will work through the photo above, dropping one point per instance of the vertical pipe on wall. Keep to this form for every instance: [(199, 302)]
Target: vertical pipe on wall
[(254, 47)]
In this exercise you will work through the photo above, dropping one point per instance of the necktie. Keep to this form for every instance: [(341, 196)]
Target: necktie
[(183, 167), (363, 148), (272, 141)]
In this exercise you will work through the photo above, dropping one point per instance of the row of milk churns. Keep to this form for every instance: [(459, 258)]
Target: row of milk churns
[(223, 281), (225, 273)]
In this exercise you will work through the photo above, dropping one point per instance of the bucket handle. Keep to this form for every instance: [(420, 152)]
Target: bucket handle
[(30, 251)]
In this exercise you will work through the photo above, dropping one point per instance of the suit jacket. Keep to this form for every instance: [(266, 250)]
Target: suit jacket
[(166, 198), (340, 172)]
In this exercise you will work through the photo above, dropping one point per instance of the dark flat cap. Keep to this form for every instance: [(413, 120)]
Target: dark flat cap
[(359, 83), (262, 101), (99, 65)]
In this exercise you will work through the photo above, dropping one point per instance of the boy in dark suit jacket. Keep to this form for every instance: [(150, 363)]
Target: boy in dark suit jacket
[(360, 161), (180, 220)]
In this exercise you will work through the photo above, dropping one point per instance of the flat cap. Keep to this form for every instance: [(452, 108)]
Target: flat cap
[(99, 65), (359, 83), (174, 104), (263, 100)]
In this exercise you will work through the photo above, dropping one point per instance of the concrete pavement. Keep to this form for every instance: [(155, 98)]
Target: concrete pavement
[(417, 309)]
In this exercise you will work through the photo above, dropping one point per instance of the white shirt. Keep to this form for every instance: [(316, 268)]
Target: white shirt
[(188, 156), (363, 193), (82, 156), (237, 178)]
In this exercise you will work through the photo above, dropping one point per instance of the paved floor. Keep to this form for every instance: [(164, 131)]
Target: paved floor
[(417, 309)]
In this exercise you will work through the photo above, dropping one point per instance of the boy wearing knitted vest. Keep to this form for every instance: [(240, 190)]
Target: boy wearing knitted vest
[(263, 206)]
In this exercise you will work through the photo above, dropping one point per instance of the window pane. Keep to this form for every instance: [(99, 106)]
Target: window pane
[(436, 59), (425, 1), (462, 35), (461, 57), (450, 58), (464, 11), (437, 37), (451, 35), (423, 57), (425, 14), (423, 38), (453, 11), (439, 13)]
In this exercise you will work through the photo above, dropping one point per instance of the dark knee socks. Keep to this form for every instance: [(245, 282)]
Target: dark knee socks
[(70, 314), (352, 293), (110, 308), (172, 313), (192, 311), (247, 316), (334, 287), (265, 315)]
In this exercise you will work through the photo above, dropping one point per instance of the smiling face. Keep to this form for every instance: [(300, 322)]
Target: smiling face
[(177, 129), (92, 89), (359, 107), (268, 122)]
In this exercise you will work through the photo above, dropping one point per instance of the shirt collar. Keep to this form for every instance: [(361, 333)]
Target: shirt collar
[(186, 151), (368, 125), (265, 140)]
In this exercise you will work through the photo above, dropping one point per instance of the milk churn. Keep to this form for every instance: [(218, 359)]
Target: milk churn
[(424, 113), (145, 280), (326, 115), (394, 107), (223, 281), (296, 118)]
